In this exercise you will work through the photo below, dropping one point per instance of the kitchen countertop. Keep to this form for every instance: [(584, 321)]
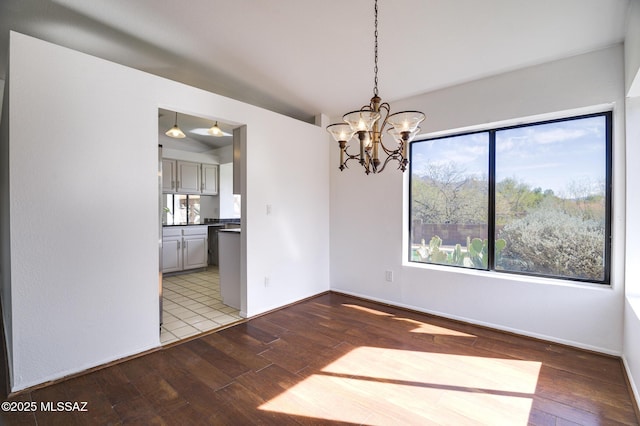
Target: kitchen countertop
[(217, 224)]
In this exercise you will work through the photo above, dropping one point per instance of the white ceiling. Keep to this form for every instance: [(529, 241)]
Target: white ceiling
[(303, 57)]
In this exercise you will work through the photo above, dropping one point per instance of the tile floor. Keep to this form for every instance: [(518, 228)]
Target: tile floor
[(192, 304)]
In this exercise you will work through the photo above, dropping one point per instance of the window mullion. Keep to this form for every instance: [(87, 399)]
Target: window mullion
[(608, 195), (491, 219)]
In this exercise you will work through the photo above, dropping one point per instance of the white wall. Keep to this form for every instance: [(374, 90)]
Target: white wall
[(368, 215), (224, 154), (631, 354), (632, 158), (631, 348), (5, 254), (225, 193), (632, 50), (83, 274), (69, 179), (292, 250)]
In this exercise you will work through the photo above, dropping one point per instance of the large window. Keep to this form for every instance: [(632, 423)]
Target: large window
[(531, 199)]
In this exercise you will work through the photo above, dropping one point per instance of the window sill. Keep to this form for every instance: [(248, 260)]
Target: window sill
[(511, 277)]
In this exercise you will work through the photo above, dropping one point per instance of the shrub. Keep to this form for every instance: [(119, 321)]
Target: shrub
[(551, 242)]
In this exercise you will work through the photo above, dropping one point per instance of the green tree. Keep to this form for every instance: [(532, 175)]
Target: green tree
[(514, 199), (447, 194)]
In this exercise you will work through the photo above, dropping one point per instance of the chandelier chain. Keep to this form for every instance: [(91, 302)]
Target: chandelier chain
[(375, 67)]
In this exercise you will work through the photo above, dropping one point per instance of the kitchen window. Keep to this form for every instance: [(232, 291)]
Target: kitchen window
[(181, 209), (531, 199)]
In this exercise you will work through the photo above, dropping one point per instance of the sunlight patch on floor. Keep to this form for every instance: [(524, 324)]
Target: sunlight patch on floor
[(366, 384), (422, 327), (489, 374), (368, 310)]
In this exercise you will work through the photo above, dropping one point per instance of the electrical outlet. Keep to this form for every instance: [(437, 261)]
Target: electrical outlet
[(388, 276)]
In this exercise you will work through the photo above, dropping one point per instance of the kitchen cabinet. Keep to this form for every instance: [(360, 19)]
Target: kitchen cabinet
[(186, 177), (168, 175), (195, 249), (171, 250), (209, 179), (184, 248)]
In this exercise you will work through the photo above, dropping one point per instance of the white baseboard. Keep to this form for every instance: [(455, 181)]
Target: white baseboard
[(634, 388)]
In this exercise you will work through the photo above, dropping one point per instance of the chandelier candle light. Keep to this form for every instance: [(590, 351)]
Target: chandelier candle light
[(403, 127)]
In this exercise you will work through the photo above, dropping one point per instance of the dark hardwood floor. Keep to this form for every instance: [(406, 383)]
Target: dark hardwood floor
[(339, 360)]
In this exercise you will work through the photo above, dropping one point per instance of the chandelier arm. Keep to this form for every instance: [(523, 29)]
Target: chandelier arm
[(387, 109), (384, 164), (389, 152), (396, 156), (349, 157), (385, 106)]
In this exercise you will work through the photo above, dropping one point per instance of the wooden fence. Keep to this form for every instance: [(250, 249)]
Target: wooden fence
[(451, 234)]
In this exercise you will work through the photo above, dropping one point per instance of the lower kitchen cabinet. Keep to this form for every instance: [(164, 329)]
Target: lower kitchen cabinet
[(194, 252), (184, 248), (171, 253)]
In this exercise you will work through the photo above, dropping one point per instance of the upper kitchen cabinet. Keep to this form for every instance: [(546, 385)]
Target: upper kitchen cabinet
[(168, 175), (209, 179), (186, 177)]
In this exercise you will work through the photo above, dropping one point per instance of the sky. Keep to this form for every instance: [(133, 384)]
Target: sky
[(558, 156)]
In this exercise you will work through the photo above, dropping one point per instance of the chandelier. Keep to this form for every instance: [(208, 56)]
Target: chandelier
[(369, 124)]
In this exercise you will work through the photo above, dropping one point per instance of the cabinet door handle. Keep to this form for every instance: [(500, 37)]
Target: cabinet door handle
[(173, 184), (179, 245)]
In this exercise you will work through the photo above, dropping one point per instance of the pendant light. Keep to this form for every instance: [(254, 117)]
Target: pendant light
[(368, 124), (175, 131), (215, 131)]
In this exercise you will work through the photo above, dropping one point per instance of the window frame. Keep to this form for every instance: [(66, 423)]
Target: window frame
[(173, 200), (491, 199)]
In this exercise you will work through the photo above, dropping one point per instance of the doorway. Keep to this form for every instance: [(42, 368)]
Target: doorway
[(190, 299)]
